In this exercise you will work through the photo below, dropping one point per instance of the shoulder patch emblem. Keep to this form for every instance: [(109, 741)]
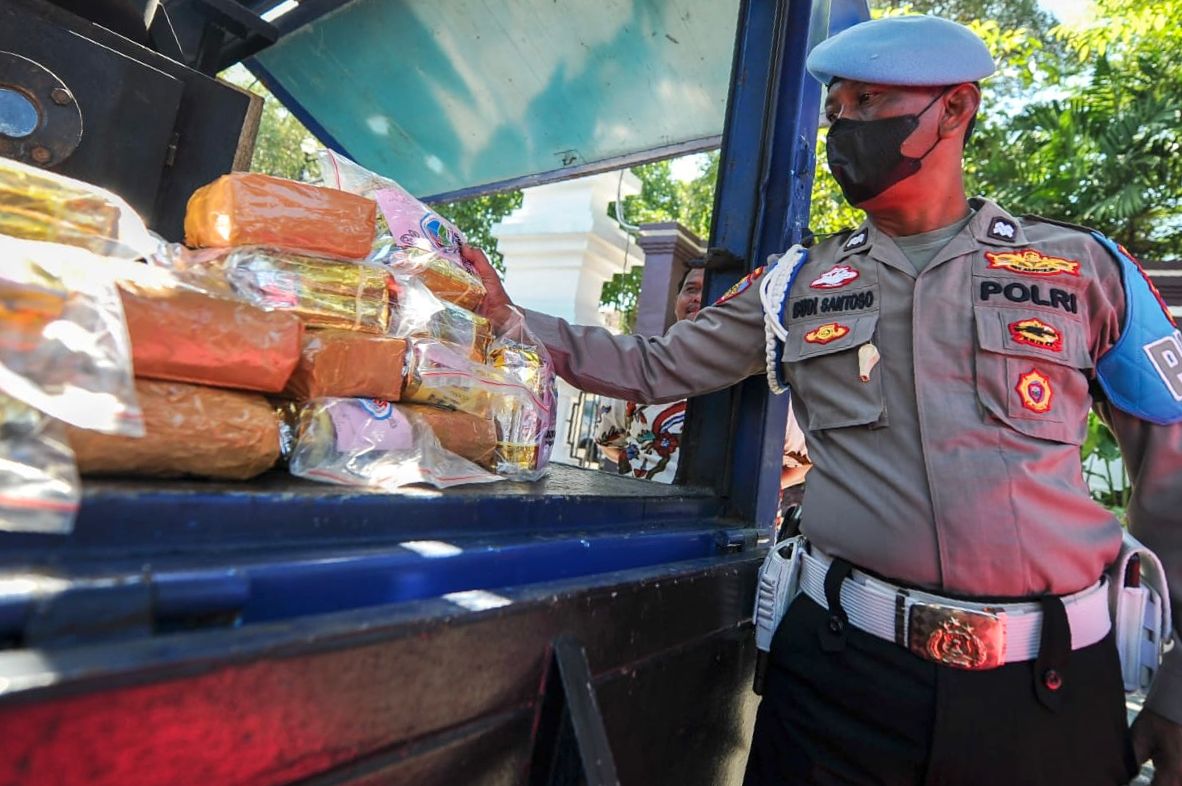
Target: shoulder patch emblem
[(835, 277), (1166, 356), (1035, 391), (741, 286), (1032, 263), (1034, 332), (830, 331), (856, 240), (1003, 229)]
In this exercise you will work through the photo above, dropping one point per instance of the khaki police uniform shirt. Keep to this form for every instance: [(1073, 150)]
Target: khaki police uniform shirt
[(957, 465)]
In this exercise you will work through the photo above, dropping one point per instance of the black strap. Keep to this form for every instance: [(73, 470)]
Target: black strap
[(833, 633), (1054, 651)]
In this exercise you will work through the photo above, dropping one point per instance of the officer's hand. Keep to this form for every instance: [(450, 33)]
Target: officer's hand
[(1157, 738), (496, 305)]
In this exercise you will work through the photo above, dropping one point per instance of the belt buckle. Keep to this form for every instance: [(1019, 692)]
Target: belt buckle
[(960, 638)]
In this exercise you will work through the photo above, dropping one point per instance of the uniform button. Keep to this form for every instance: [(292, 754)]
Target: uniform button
[(1052, 680), (835, 624)]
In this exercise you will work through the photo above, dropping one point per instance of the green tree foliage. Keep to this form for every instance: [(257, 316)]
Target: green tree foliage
[(1105, 148), (661, 198), (283, 143)]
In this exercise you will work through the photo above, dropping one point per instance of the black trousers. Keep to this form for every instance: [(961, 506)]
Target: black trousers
[(874, 713)]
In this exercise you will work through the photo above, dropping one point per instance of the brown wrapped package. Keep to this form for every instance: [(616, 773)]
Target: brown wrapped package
[(323, 292), (469, 436), (187, 336), (242, 209), (347, 364), (189, 430)]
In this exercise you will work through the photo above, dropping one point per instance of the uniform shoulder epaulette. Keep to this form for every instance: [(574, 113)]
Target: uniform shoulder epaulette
[(1141, 373), (1058, 223)]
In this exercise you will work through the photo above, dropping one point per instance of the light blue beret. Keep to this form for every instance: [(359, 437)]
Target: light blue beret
[(902, 50)]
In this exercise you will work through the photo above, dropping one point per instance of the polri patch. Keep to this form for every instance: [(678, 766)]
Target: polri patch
[(830, 331), (835, 277), (1034, 389), (1030, 262), (1033, 332), (741, 286)]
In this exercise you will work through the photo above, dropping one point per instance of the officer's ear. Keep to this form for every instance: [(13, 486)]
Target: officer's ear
[(960, 110)]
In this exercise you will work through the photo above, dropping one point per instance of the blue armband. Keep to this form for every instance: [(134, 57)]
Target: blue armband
[(1142, 373)]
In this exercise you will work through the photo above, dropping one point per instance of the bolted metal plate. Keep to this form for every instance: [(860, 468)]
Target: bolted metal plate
[(40, 122)]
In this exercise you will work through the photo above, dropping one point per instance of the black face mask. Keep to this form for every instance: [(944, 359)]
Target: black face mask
[(866, 157)]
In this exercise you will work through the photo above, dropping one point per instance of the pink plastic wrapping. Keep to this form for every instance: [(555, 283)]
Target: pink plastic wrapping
[(371, 442), (411, 223)]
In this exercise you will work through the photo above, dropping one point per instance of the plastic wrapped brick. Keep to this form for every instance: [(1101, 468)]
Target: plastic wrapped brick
[(36, 204), (373, 443), (518, 397), (189, 430), (64, 347), (469, 436), (324, 293), (245, 209), (183, 335), (417, 313), (447, 280), (39, 486), (343, 363)]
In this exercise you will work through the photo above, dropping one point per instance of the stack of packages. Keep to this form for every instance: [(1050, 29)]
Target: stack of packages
[(65, 357), (288, 293), (488, 396)]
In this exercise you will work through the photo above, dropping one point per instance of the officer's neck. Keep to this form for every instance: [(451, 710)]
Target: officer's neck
[(922, 207)]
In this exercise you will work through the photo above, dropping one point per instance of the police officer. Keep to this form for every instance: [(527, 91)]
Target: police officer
[(943, 358)]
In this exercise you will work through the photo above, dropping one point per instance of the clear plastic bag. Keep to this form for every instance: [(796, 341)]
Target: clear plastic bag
[(64, 348), (445, 279), (411, 223), (39, 486), (323, 292), (370, 442), (36, 204), (527, 424), (419, 314), (515, 389)]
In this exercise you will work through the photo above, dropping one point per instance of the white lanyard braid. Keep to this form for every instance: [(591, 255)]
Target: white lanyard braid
[(773, 290)]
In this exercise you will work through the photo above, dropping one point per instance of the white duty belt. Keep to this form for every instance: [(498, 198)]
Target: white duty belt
[(953, 632)]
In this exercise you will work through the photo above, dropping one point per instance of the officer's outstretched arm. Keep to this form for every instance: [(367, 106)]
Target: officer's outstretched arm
[(721, 346)]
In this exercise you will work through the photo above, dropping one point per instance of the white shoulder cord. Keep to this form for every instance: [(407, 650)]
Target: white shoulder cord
[(772, 291)]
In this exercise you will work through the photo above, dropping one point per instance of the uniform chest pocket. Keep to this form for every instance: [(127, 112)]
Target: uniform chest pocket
[(821, 366), (1031, 372)]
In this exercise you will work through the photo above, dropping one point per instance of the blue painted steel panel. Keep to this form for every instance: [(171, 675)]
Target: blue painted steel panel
[(447, 96), (761, 208)]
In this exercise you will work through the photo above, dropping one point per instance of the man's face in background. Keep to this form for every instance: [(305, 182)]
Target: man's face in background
[(689, 298)]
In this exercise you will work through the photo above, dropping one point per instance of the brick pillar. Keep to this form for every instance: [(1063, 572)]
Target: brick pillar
[(667, 247)]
